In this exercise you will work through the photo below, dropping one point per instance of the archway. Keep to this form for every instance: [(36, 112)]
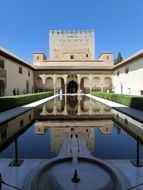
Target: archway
[(2, 88), (72, 87), (39, 85), (84, 104), (60, 104), (50, 106), (96, 84), (60, 85), (107, 84), (84, 85), (49, 84)]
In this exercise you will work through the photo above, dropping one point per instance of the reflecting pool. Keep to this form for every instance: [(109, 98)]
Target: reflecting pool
[(40, 132)]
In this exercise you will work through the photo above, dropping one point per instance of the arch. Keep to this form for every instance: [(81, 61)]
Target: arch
[(50, 106), (2, 88), (60, 85), (85, 85), (49, 84), (39, 85), (84, 104), (72, 87), (96, 106), (60, 104), (96, 84), (107, 84), (38, 110), (107, 108)]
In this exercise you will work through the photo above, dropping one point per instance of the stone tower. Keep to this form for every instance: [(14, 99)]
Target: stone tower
[(71, 45)]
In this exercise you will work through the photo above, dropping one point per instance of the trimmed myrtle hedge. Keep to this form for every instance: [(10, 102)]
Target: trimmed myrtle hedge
[(8, 102), (128, 100)]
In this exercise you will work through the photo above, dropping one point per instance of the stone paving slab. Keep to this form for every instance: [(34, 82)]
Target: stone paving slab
[(134, 174), (16, 175)]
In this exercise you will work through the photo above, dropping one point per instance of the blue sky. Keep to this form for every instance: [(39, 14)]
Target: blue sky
[(24, 24)]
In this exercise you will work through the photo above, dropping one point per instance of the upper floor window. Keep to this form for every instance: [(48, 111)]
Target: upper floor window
[(126, 70), (37, 57), (1, 63), (29, 73), (20, 70), (107, 57), (71, 56)]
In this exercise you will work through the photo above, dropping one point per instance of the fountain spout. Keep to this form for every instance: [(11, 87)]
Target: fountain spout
[(75, 178)]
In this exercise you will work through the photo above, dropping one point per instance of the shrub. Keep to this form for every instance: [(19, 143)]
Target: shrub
[(8, 102), (135, 102)]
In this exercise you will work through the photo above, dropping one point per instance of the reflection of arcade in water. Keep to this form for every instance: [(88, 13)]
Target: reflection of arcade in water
[(54, 131), (72, 106), (78, 108), (58, 135)]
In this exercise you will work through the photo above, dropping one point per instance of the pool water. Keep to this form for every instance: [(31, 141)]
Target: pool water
[(51, 122)]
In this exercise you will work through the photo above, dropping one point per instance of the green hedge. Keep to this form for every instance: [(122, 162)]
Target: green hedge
[(8, 102), (128, 100)]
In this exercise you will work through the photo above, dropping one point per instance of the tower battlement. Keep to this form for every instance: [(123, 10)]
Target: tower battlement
[(71, 31), (72, 44)]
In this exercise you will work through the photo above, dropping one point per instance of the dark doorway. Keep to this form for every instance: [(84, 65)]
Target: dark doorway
[(27, 86), (72, 101), (72, 87), (2, 92)]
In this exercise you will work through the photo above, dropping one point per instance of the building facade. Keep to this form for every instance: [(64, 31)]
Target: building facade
[(128, 75), (16, 76), (72, 67)]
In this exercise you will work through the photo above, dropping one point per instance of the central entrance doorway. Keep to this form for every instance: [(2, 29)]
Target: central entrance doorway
[(72, 87)]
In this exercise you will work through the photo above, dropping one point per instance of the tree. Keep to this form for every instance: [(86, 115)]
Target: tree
[(118, 59), (115, 61)]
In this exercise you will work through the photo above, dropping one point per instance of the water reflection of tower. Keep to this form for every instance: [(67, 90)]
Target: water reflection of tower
[(58, 135), (88, 133), (40, 129), (106, 127)]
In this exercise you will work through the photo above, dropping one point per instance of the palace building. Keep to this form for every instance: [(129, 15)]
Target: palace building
[(72, 67)]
